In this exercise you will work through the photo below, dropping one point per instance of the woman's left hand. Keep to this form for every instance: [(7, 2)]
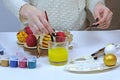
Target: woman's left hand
[(104, 16)]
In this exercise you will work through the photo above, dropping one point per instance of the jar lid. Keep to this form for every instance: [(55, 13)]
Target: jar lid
[(13, 58), (23, 59), (32, 59), (4, 57)]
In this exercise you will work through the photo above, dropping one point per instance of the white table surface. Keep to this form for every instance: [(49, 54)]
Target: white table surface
[(84, 42)]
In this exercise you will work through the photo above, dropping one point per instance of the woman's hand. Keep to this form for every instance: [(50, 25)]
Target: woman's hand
[(36, 19), (104, 16)]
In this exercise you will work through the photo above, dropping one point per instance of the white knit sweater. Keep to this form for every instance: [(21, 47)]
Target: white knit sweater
[(63, 14)]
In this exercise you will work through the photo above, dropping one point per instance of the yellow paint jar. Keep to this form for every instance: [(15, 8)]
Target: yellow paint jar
[(4, 61)]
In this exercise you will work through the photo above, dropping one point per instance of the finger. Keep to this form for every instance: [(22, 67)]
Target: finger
[(97, 14), (106, 24), (33, 24), (34, 28), (40, 26), (104, 17), (109, 18), (102, 26), (47, 25)]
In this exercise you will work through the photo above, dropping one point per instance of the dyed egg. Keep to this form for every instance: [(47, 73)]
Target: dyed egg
[(21, 36), (45, 40), (110, 48), (110, 60)]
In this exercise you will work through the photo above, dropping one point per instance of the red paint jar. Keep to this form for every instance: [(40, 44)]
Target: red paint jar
[(23, 63)]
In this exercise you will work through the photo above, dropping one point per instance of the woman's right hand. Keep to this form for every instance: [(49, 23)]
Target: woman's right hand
[(36, 19)]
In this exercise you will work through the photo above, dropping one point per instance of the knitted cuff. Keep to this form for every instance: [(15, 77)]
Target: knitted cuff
[(92, 3)]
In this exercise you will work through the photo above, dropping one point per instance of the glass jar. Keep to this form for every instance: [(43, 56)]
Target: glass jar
[(58, 51)]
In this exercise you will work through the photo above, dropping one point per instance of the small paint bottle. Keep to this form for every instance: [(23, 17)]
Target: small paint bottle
[(4, 61), (32, 62), (1, 50), (13, 61), (23, 62)]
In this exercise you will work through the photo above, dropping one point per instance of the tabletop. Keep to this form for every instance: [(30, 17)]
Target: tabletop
[(84, 42)]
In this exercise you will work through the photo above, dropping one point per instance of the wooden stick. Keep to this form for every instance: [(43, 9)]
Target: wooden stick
[(38, 47)]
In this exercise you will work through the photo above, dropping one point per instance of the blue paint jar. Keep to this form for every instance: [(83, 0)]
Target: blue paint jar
[(13, 61), (1, 50), (32, 62)]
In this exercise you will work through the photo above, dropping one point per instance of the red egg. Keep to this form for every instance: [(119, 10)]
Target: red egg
[(31, 40), (60, 36), (28, 30)]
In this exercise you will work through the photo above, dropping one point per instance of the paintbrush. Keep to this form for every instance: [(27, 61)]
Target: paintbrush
[(53, 34), (98, 53), (46, 16)]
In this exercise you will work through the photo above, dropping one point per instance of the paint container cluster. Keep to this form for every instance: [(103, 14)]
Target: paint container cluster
[(22, 62)]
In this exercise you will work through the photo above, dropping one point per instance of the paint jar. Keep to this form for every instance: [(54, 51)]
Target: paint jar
[(23, 62), (1, 50), (4, 61), (32, 62), (13, 61)]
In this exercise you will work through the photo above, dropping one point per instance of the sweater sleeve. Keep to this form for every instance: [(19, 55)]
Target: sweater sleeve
[(92, 3), (14, 6)]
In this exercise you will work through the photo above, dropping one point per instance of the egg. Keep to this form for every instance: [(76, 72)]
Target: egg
[(110, 48), (110, 60)]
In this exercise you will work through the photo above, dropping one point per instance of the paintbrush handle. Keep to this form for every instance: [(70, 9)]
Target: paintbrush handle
[(53, 34), (46, 15)]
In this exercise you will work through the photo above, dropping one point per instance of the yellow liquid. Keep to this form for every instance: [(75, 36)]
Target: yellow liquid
[(58, 56)]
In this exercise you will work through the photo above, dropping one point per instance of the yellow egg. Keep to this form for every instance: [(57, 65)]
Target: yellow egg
[(110, 60), (21, 36)]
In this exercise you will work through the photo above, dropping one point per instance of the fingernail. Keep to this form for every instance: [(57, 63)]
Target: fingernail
[(95, 25), (95, 58), (54, 34), (97, 19)]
